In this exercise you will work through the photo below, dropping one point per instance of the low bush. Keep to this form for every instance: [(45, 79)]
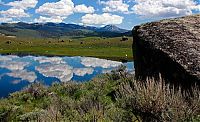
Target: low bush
[(111, 97)]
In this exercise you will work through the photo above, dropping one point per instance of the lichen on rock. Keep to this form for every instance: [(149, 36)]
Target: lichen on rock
[(170, 47)]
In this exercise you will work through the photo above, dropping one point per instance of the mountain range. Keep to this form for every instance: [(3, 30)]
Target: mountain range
[(57, 30)]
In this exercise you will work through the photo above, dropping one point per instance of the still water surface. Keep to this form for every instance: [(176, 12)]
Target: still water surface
[(18, 72)]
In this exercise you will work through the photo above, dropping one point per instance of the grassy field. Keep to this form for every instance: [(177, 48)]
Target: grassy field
[(108, 48)]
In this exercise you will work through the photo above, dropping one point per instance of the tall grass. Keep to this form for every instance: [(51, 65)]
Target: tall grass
[(158, 101)]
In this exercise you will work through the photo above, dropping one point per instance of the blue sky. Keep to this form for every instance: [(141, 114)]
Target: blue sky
[(123, 13)]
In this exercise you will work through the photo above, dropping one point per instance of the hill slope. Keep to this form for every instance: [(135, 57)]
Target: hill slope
[(56, 30)]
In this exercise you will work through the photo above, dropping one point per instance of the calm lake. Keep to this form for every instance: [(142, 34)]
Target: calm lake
[(18, 72)]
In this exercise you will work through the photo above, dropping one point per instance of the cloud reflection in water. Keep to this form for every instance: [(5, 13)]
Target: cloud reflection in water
[(61, 71), (95, 62), (32, 68), (23, 74), (17, 72), (83, 71)]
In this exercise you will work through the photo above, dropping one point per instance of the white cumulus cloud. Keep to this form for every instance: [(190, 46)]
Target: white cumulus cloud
[(58, 11), (4, 19), (54, 19), (164, 8), (115, 6), (101, 19), (14, 13), (62, 8), (83, 9), (17, 10), (23, 4)]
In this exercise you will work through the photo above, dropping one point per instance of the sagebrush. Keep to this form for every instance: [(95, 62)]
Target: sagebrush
[(110, 97)]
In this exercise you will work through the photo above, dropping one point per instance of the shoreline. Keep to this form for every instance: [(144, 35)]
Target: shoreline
[(121, 59)]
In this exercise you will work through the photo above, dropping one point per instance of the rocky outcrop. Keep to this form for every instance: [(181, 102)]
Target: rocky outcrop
[(169, 47)]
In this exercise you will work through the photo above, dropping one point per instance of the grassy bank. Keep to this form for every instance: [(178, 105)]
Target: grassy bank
[(108, 48), (110, 97)]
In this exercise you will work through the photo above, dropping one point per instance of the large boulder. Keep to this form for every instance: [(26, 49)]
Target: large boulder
[(170, 48)]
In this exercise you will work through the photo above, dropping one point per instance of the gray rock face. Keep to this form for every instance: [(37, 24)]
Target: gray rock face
[(169, 47)]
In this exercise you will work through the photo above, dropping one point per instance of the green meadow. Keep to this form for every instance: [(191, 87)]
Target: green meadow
[(108, 48)]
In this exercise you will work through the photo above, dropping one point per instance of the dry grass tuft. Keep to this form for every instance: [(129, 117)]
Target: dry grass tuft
[(157, 101)]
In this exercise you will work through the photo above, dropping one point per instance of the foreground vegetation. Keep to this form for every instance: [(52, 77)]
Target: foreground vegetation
[(108, 48), (111, 97)]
